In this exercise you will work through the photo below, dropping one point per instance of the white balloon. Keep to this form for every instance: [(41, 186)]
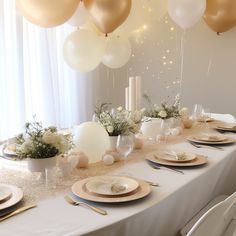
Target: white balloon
[(83, 50), (92, 139), (186, 13), (117, 52), (80, 17)]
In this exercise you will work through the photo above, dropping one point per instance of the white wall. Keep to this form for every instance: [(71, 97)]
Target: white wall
[(209, 75)]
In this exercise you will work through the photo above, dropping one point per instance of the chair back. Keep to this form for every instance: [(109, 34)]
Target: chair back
[(215, 221)]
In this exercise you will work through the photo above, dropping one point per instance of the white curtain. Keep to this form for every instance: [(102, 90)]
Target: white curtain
[(34, 79)]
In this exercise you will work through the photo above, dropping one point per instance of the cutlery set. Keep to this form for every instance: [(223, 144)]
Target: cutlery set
[(206, 146), (160, 167)]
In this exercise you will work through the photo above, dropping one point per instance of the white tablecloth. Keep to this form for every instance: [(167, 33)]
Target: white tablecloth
[(163, 213)]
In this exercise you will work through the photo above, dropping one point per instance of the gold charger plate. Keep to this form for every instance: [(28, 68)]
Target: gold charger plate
[(16, 196), (227, 141), (226, 127), (199, 160), (210, 138), (79, 190)]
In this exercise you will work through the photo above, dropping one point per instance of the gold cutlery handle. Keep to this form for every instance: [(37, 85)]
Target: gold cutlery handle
[(152, 183), (17, 212), (96, 209)]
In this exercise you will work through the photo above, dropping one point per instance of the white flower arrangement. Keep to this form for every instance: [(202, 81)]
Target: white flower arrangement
[(118, 121), (38, 142), (164, 111)]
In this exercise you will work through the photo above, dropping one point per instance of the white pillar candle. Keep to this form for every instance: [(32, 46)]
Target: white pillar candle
[(138, 92), (132, 94), (127, 98)]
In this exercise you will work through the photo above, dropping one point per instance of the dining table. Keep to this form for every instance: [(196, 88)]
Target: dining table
[(164, 212)]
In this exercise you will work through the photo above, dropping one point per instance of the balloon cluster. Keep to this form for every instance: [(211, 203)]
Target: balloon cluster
[(220, 15), (95, 20)]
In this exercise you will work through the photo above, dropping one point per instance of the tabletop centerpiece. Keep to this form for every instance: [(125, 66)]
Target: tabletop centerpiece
[(41, 146), (157, 115), (118, 121)]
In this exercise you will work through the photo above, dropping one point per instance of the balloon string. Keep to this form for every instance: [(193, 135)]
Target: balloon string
[(209, 68), (108, 80), (113, 80), (182, 61)]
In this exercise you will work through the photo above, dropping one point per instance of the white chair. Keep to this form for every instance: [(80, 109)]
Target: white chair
[(184, 231), (217, 220)]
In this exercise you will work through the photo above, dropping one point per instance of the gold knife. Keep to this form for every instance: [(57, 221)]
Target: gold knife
[(17, 212)]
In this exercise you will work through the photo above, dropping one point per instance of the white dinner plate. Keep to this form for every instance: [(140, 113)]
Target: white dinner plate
[(111, 185), (182, 156), (5, 192), (17, 195)]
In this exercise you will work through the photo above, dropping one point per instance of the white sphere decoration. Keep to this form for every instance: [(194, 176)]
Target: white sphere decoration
[(116, 155), (176, 131), (92, 139), (108, 159)]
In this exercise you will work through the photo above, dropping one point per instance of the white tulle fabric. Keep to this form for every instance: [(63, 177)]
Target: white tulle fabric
[(34, 80)]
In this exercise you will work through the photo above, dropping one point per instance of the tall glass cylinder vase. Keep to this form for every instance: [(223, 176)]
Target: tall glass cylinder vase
[(164, 131)]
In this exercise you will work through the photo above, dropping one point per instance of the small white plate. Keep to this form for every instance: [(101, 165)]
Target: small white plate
[(203, 120), (169, 156), (111, 185), (5, 192), (17, 195)]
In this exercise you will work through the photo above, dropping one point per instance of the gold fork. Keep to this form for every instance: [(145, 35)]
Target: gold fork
[(77, 203), (4, 217)]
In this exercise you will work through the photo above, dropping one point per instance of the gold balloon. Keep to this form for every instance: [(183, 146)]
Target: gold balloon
[(220, 15), (108, 14), (47, 13)]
